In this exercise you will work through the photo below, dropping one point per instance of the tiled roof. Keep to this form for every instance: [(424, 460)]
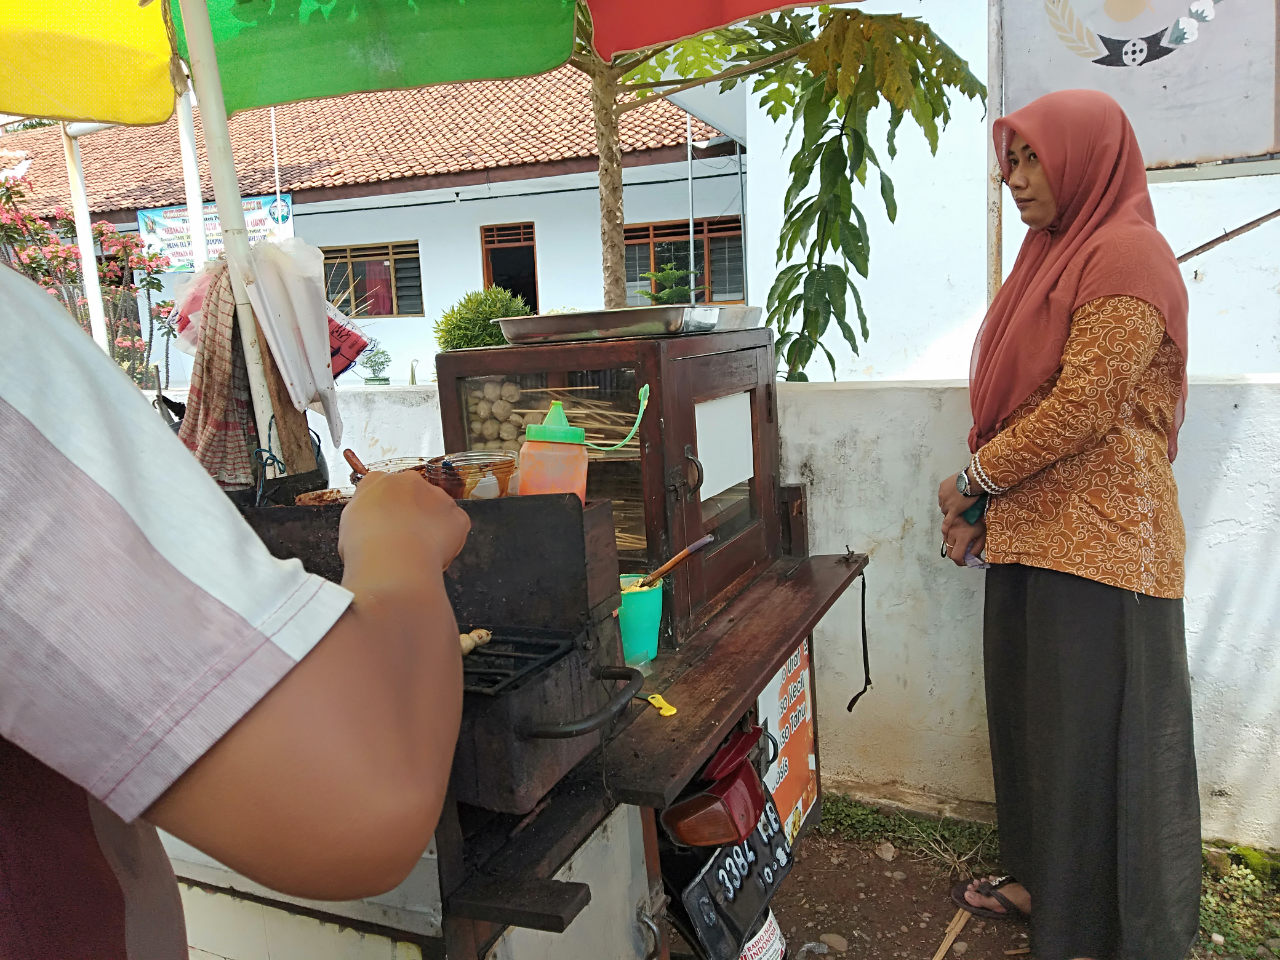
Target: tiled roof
[(357, 139)]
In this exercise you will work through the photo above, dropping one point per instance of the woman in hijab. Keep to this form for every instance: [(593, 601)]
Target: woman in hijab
[(1077, 389)]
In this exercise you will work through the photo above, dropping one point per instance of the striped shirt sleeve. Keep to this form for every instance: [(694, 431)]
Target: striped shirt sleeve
[(140, 616)]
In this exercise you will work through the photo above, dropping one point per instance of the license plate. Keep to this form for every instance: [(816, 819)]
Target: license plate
[(736, 885)]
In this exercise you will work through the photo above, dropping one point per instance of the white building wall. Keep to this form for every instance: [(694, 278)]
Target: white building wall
[(565, 212), (926, 293)]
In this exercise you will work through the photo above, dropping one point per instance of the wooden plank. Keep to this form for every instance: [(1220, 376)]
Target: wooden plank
[(292, 432), (720, 673), (537, 904)]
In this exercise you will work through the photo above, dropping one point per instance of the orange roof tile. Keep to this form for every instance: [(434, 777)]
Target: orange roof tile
[(361, 138)]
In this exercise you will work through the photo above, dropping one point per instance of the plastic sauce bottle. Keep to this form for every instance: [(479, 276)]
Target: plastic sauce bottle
[(554, 457)]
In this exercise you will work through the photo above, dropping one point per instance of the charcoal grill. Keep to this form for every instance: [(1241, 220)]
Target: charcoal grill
[(510, 656)]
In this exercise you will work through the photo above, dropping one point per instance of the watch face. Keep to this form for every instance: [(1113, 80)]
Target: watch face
[(962, 483)]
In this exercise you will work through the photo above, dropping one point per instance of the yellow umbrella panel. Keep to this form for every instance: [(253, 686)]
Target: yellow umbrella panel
[(106, 61)]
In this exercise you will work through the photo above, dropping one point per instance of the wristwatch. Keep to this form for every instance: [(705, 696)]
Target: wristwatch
[(962, 484)]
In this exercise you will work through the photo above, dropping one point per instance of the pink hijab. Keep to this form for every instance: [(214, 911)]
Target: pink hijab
[(1104, 242)]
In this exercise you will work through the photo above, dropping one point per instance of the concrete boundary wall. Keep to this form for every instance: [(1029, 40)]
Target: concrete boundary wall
[(871, 455)]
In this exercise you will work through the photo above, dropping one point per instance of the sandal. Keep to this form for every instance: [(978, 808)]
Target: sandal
[(988, 889)]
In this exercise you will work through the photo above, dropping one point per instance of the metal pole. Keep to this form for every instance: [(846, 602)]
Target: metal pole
[(226, 192), (995, 186), (742, 215), (688, 141), (84, 240), (191, 180)]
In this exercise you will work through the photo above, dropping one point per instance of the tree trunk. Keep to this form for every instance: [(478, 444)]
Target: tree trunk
[(604, 96)]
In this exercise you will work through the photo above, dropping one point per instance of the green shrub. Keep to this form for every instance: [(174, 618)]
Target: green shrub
[(467, 323)]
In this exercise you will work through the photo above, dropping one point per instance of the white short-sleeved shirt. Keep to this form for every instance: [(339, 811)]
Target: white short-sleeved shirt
[(140, 618)]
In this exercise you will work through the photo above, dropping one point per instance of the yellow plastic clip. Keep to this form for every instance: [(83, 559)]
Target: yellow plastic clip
[(664, 709)]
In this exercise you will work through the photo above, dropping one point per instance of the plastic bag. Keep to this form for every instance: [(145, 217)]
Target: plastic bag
[(189, 306), (346, 341), (288, 298)]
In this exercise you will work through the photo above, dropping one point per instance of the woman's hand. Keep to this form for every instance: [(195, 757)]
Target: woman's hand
[(951, 503), (965, 538)]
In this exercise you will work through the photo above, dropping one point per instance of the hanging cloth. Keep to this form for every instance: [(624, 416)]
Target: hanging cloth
[(219, 426)]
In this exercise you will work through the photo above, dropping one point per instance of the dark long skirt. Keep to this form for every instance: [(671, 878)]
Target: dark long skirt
[(1089, 709)]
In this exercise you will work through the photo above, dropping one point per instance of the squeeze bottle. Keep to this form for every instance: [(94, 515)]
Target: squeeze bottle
[(554, 457)]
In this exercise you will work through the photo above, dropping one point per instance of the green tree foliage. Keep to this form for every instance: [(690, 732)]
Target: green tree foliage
[(374, 359), (468, 323), (857, 61)]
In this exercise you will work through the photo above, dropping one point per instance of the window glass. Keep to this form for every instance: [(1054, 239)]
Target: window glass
[(637, 264), (382, 280), (726, 268)]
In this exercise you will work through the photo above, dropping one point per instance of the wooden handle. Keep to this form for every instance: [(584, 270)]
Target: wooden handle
[(674, 562), (350, 456)]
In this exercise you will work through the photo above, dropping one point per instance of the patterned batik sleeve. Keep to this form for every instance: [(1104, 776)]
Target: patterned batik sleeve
[(1112, 341)]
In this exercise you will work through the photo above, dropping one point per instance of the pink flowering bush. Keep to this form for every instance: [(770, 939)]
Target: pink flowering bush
[(126, 271)]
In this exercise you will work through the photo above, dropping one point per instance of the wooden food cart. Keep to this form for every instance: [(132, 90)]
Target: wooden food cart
[(549, 842)]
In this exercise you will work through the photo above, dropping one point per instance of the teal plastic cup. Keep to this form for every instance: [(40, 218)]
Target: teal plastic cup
[(640, 618)]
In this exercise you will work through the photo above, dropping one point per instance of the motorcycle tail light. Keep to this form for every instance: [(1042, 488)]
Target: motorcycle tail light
[(726, 812), (734, 752)]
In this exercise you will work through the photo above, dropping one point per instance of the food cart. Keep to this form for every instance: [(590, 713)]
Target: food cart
[(551, 842)]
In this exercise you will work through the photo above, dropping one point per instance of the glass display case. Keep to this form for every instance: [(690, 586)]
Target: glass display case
[(704, 460)]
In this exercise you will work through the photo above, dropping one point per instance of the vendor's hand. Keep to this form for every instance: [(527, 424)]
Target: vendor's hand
[(965, 538), (389, 507), (951, 503)]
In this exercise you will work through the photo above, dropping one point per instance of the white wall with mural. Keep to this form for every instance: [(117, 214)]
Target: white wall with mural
[(927, 291)]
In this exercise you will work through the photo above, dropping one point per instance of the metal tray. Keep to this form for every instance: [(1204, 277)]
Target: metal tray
[(629, 322)]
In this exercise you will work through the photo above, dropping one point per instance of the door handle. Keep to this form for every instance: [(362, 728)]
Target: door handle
[(697, 465)]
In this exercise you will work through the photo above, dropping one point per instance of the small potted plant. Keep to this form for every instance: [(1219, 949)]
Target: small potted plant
[(672, 285), (469, 322), (375, 360)]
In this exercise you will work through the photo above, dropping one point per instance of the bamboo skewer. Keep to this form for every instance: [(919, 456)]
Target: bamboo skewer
[(953, 930)]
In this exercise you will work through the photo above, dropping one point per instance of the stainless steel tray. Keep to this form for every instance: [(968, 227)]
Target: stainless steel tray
[(629, 322)]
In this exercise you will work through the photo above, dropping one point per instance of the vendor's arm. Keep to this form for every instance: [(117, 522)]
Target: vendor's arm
[(331, 786), (154, 654), (1112, 341)]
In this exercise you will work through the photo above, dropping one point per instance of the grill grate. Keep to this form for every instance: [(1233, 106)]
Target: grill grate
[(513, 654)]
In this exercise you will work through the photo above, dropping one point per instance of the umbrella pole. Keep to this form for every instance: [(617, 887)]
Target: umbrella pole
[(191, 180), (226, 192), (84, 240)]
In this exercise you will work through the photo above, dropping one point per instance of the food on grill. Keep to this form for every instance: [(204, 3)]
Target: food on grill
[(319, 498), (476, 638)]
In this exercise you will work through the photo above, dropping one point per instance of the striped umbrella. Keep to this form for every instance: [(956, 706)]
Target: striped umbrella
[(112, 60)]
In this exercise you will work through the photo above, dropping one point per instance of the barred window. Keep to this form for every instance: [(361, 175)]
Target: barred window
[(382, 280), (717, 257)]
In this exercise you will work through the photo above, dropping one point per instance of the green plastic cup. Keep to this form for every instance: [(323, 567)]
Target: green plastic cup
[(639, 618)]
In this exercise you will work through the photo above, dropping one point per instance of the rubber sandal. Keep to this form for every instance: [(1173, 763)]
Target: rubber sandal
[(988, 889)]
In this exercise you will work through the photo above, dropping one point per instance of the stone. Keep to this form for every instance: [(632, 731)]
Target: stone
[(904, 928), (1273, 944), (1219, 861), (1264, 953), (1218, 939), (899, 875), (886, 852), (836, 942), (960, 948)]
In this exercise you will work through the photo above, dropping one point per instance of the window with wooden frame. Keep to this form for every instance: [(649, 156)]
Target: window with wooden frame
[(382, 280), (511, 260), (717, 257)]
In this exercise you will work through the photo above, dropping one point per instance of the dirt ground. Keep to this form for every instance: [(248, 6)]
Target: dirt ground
[(882, 909)]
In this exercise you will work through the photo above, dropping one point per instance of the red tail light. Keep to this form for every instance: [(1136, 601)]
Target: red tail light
[(726, 812)]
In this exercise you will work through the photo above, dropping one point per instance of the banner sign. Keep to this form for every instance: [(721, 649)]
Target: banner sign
[(166, 229), (786, 712), (1196, 77)]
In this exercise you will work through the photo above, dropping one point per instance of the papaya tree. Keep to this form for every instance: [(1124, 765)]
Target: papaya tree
[(826, 69)]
